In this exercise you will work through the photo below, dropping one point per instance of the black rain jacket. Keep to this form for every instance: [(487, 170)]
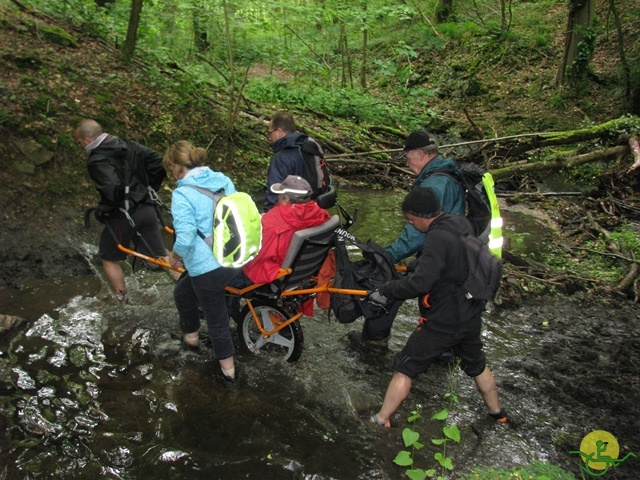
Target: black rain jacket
[(438, 277), (115, 162)]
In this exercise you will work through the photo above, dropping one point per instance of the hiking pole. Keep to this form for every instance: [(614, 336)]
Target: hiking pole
[(136, 254), (122, 248), (157, 261), (158, 205)]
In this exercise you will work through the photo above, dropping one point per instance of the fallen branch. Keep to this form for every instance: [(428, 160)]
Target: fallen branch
[(605, 254), (559, 161), (634, 145), (541, 194)]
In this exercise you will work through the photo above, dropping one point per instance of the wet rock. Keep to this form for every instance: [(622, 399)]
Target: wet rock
[(35, 153), (58, 36), (10, 322)]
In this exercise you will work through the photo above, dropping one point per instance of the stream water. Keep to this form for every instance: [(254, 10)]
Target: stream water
[(92, 389)]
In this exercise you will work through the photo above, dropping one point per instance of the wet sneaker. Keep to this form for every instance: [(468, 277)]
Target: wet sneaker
[(358, 341), (382, 344), (190, 343), (229, 379), (190, 348), (123, 298), (374, 419), (231, 383), (500, 417)]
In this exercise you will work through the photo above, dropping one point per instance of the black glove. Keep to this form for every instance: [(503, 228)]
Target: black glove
[(101, 215), (376, 297)]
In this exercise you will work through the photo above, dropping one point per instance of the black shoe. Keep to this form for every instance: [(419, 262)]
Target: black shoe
[(230, 379), (500, 417), (231, 384), (359, 341)]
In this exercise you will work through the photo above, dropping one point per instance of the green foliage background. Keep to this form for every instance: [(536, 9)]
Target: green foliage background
[(311, 55)]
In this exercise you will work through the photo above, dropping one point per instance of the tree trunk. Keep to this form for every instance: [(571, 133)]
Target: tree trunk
[(578, 44), (560, 161), (513, 147), (132, 30), (232, 78), (506, 15), (200, 37), (444, 11), (623, 57), (343, 54), (363, 68)]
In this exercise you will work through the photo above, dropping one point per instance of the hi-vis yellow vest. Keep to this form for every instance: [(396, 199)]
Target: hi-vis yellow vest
[(495, 225)]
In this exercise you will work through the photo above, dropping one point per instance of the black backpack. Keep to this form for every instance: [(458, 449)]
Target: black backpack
[(316, 167), (375, 268), (485, 269), (478, 210)]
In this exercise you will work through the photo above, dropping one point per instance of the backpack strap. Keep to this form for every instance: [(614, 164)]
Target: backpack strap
[(449, 172), (213, 196)]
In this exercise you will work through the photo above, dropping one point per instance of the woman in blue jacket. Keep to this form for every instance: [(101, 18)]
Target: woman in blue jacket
[(204, 281)]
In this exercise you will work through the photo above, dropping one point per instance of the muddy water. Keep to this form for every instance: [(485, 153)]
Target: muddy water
[(91, 389)]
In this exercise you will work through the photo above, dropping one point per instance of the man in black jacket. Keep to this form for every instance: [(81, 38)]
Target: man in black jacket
[(113, 165), (448, 318), (288, 158)]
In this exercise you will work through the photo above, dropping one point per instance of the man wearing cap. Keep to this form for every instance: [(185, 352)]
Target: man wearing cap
[(448, 319), (286, 143), (294, 210), (423, 160)]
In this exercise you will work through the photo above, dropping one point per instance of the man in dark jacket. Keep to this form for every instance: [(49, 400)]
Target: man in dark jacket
[(423, 159), (286, 143), (113, 165), (449, 320)]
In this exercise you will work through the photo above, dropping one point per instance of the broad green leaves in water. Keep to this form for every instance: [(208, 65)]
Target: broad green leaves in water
[(419, 474), (441, 415), (443, 461), (410, 437), (403, 458), (452, 432)]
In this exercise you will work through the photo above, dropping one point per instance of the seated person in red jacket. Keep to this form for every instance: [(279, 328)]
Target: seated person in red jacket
[(294, 211)]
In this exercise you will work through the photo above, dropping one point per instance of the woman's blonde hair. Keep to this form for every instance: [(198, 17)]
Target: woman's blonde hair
[(184, 154)]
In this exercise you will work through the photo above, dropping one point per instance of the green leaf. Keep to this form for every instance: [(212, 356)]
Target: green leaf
[(441, 415), (431, 472), (452, 432), (444, 461), (438, 441), (414, 417), (416, 474), (403, 459), (410, 437), (417, 445)]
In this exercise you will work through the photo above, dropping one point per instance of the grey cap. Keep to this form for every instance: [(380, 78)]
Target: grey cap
[(293, 185)]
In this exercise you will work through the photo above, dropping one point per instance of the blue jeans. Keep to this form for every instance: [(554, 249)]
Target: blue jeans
[(206, 291)]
